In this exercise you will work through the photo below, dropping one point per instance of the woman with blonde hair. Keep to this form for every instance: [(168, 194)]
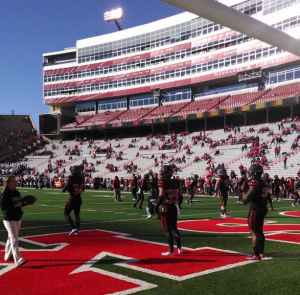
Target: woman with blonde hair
[(10, 203)]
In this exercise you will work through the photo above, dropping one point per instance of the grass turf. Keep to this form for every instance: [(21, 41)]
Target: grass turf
[(99, 211)]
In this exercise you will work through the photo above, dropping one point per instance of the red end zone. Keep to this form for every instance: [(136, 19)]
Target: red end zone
[(70, 266)]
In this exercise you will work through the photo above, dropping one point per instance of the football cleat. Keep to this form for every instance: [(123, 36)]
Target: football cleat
[(254, 257), (262, 256), (21, 262), (180, 251), (149, 216), (223, 216), (293, 205), (73, 231), (168, 254), (187, 202), (134, 206), (227, 215)]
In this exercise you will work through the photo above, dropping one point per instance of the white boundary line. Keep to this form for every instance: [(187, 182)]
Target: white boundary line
[(285, 214)]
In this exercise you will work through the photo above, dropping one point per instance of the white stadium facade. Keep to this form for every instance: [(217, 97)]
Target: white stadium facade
[(179, 73)]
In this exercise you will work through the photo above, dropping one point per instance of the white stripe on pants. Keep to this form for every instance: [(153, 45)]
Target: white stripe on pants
[(12, 247)]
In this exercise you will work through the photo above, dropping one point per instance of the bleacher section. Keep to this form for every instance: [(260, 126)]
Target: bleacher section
[(17, 136), (230, 154)]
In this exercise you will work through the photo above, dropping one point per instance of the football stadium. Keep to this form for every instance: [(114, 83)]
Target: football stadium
[(168, 162)]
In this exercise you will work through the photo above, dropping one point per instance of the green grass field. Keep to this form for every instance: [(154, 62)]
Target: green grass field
[(278, 275)]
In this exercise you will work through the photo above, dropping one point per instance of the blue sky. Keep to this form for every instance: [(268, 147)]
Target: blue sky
[(29, 28)]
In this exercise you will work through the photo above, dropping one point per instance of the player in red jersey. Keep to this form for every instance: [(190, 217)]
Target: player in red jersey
[(257, 196), (170, 197), (223, 184), (75, 186)]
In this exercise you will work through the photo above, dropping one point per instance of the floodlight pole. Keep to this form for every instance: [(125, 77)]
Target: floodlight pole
[(118, 25)]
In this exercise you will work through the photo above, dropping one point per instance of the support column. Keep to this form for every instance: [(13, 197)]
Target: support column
[(224, 121), (205, 126), (245, 119), (186, 125), (169, 128), (152, 129), (291, 112), (267, 115)]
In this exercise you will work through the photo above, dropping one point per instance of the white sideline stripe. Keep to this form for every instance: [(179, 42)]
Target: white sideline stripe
[(86, 223), (133, 214), (119, 212), (107, 211)]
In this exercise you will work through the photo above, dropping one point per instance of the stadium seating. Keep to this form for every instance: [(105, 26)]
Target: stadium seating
[(230, 154), (102, 118), (79, 120), (134, 114), (17, 135)]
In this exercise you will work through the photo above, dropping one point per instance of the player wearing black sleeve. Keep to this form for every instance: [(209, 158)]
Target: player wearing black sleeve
[(223, 184), (170, 197), (75, 186), (134, 187), (242, 185), (191, 189), (257, 196), (276, 189), (267, 179), (142, 187)]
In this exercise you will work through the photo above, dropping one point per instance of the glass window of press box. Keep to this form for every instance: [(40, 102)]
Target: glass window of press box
[(86, 107), (112, 104), (283, 75), (271, 6), (143, 100), (177, 95)]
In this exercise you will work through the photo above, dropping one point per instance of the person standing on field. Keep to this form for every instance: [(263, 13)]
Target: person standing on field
[(116, 187), (10, 203)]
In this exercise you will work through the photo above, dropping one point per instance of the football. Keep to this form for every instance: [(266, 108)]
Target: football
[(28, 200)]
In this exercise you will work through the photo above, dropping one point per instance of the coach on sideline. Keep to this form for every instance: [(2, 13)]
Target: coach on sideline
[(10, 203), (116, 186)]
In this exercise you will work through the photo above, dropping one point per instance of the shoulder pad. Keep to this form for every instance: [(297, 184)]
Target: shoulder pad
[(254, 182), (161, 183)]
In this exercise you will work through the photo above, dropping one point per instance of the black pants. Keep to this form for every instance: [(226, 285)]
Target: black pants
[(224, 197), (73, 204), (169, 224), (256, 218), (140, 198), (134, 192)]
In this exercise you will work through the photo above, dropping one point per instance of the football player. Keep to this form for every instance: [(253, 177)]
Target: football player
[(223, 184), (276, 189), (242, 186), (134, 187), (267, 179), (191, 189), (142, 187), (296, 195), (257, 196), (170, 197), (75, 186)]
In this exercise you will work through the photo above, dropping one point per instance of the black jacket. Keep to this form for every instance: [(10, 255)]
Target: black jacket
[(8, 202)]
